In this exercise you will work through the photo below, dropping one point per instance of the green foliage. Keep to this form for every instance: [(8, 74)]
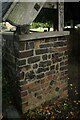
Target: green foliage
[(3, 26), (39, 24)]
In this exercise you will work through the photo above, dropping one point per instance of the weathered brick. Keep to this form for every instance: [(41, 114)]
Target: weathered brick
[(65, 57), (37, 44), (45, 63), (52, 82), (43, 80), (23, 93), (58, 49), (27, 86), (35, 66), (55, 58), (50, 77), (66, 52), (22, 82), (30, 75), (42, 69), (33, 59), (41, 51), (53, 39), (57, 66), (25, 106), (63, 68), (39, 76), (52, 67), (58, 44), (62, 38), (39, 97), (26, 54), (46, 40), (27, 45), (34, 89), (37, 82), (64, 94), (66, 72), (22, 46), (38, 93), (46, 69), (57, 89), (28, 67), (22, 75), (21, 62), (30, 45), (25, 68), (61, 63), (25, 98), (23, 87), (44, 57), (50, 72), (45, 85), (66, 62), (46, 45), (42, 40), (49, 56)]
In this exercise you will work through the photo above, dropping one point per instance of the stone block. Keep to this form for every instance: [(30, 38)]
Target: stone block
[(33, 59), (44, 57), (30, 45), (30, 75), (45, 63), (35, 66), (26, 54), (39, 76), (46, 45), (21, 62), (41, 51)]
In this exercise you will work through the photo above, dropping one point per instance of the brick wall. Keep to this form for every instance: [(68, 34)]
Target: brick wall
[(38, 67)]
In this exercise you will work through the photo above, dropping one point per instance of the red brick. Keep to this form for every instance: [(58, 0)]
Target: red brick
[(26, 98), (43, 80), (23, 93), (24, 105), (49, 78), (27, 86), (33, 89), (46, 84), (64, 94)]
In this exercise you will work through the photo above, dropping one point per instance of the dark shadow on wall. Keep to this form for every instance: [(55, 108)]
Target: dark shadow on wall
[(74, 65)]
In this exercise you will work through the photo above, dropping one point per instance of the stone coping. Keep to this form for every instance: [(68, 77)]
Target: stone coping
[(41, 35), (35, 36)]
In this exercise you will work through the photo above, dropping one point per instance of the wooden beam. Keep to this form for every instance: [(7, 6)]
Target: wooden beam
[(60, 15), (52, 5)]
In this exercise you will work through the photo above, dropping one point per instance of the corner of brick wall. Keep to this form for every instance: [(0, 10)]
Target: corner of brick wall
[(41, 68)]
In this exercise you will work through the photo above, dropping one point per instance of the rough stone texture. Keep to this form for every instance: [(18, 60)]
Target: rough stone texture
[(40, 69)]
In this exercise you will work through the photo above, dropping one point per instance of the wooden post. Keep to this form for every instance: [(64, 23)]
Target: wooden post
[(23, 29), (60, 15)]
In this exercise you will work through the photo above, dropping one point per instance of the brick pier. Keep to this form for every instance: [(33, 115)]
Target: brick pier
[(37, 65)]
